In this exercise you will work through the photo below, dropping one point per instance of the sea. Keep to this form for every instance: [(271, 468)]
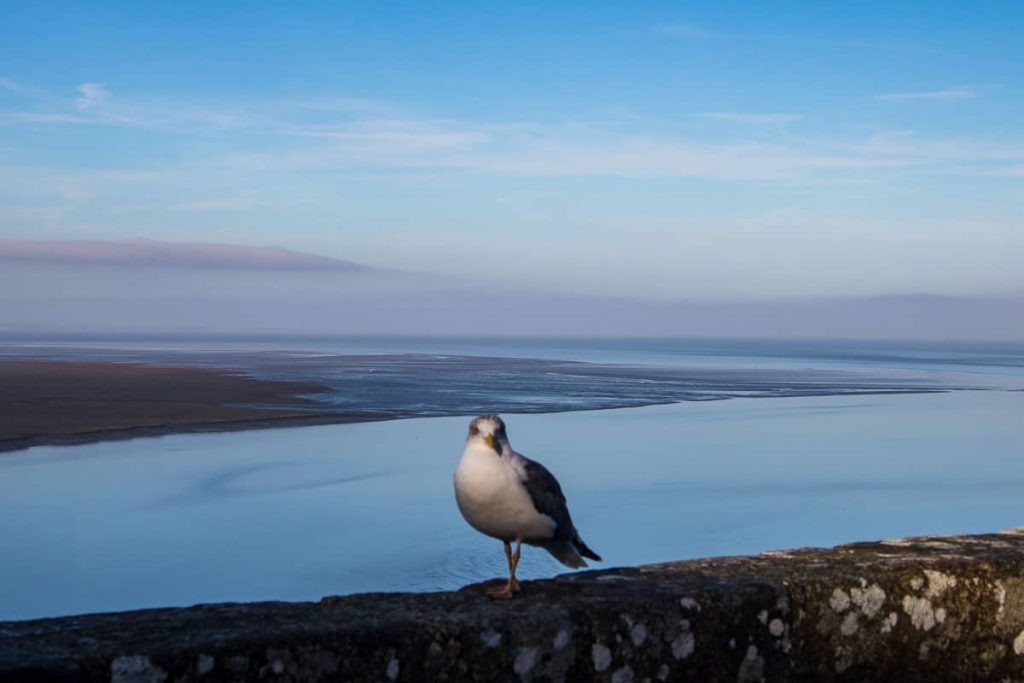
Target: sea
[(667, 449)]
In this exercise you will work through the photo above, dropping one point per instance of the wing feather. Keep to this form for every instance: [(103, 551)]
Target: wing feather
[(547, 497)]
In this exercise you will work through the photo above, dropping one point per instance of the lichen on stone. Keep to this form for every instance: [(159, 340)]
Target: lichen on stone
[(840, 601), (525, 660), (938, 583), (561, 639), (689, 604), (868, 599), (205, 664), (623, 675), (490, 638), (136, 669), (752, 667), (920, 611), (849, 625), (1018, 644), (890, 622), (684, 644), (601, 656)]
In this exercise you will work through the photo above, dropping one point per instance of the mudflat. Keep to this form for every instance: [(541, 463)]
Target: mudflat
[(51, 402)]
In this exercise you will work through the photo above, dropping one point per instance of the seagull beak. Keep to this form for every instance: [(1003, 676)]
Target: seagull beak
[(490, 441)]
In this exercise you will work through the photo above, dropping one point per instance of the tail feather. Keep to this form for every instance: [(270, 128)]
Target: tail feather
[(566, 553), (584, 550), (569, 552)]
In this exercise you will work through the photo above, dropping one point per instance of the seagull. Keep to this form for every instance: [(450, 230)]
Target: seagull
[(509, 497)]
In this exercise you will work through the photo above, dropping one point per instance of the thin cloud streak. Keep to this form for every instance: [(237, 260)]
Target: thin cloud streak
[(25, 90), (96, 104), (760, 119), (565, 151), (351, 134), (14, 86), (950, 94)]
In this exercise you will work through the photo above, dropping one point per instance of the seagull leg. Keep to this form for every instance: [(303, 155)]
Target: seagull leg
[(512, 586), (513, 562)]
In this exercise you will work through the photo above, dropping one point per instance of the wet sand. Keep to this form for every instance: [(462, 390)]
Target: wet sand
[(56, 402)]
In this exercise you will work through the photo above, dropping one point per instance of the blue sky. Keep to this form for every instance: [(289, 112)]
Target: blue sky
[(663, 150)]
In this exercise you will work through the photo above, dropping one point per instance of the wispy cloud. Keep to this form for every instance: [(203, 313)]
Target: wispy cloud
[(949, 94), (551, 151), (45, 118), (19, 88), (92, 95), (940, 152), (95, 104), (336, 133), (404, 135), (759, 119)]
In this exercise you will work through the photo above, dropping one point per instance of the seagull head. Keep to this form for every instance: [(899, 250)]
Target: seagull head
[(488, 430)]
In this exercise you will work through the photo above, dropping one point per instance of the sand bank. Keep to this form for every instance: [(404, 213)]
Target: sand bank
[(46, 402)]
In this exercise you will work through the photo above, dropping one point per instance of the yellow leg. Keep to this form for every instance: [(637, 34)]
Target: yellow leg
[(513, 562), (512, 586), (508, 555)]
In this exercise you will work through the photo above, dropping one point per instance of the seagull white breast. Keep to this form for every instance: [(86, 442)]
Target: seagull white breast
[(491, 496)]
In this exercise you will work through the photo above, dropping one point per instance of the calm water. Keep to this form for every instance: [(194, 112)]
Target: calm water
[(300, 513)]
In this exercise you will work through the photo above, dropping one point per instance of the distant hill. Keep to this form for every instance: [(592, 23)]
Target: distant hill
[(143, 252)]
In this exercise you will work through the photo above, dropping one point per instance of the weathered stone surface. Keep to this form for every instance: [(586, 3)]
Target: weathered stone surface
[(923, 609)]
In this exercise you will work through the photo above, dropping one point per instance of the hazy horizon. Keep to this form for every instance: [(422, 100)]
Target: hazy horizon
[(160, 287)]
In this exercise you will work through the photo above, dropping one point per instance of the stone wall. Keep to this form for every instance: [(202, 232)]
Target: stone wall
[(922, 609)]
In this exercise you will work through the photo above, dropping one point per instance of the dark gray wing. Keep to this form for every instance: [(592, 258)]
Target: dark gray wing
[(548, 498)]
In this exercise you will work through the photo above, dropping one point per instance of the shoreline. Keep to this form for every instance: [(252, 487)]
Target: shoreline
[(127, 433), (49, 402), (62, 403)]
